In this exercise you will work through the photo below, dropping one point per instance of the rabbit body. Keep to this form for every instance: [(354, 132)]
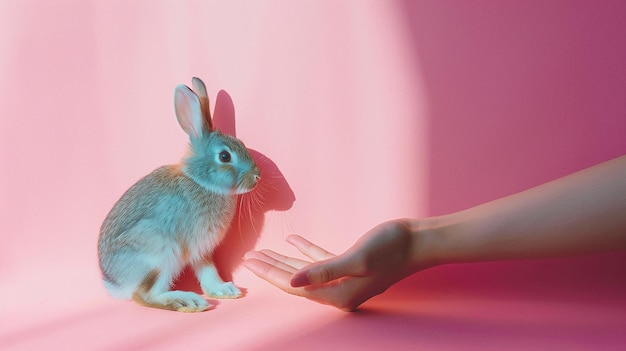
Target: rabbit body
[(176, 216)]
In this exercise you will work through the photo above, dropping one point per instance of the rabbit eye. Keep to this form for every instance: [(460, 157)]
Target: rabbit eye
[(224, 156)]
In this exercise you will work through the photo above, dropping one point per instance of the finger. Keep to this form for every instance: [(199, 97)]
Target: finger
[(293, 262), (268, 257), (272, 274), (326, 271), (309, 249)]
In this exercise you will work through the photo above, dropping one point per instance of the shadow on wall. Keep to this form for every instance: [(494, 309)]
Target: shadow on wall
[(519, 92), (272, 193)]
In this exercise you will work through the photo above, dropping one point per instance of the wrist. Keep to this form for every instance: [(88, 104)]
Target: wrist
[(430, 241)]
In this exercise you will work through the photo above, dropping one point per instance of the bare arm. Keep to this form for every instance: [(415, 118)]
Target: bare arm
[(583, 213)]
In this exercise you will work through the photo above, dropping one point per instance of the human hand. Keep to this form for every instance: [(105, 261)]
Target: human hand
[(587, 217), (376, 261)]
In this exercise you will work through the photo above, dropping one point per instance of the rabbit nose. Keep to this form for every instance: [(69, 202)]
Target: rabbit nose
[(254, 182), (257, 174)]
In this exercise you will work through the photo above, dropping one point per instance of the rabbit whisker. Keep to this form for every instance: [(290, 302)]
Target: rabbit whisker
[(251, 216), (239, 214)]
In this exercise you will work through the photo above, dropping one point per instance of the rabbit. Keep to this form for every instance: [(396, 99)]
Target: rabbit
[(177, 215)]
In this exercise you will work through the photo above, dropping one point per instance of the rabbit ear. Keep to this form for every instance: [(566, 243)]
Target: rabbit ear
[(200, 89), (189, 111)]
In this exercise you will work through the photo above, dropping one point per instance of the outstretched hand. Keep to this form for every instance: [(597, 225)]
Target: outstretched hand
[(586, 217), (376, 261)]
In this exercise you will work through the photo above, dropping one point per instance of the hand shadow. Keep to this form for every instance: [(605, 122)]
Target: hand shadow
[(271, 194)]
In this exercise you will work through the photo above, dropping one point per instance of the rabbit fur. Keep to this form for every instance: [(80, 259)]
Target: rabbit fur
[(177, 215)]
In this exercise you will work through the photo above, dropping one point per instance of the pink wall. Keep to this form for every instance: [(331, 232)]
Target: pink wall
[(366, 110), (518, 92)]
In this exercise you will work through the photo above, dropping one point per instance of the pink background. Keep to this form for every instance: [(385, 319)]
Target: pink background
[(365, 111)]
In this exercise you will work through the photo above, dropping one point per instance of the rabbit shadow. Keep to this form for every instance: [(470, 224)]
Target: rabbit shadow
[(272, 193)]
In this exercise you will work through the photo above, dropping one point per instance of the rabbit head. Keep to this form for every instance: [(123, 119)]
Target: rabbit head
[(218, 162)]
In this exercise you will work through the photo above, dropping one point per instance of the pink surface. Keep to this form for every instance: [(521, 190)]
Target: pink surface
[(363, 111)]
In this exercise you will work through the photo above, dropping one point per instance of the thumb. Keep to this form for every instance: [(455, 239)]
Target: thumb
[(322, 272)]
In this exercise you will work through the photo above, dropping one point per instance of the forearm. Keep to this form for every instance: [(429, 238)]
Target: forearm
[(583, 213)]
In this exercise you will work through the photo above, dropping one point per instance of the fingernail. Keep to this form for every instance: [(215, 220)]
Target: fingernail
[(299, 280)]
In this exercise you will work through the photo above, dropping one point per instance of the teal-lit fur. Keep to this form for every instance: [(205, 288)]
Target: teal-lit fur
[(177, 215)]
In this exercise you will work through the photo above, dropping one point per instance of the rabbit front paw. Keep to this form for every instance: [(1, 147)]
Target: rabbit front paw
[(222, 290), (181, 301)]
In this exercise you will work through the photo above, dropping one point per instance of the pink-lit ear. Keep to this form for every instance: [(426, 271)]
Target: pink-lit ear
[(189, 111), (200, 89)]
